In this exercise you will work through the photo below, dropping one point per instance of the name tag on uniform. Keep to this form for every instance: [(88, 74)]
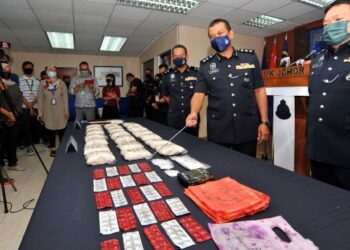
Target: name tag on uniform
[(190, 78), (245, 66)]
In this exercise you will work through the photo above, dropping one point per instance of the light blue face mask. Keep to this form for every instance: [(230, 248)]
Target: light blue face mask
[(51, 74), (336, 33)]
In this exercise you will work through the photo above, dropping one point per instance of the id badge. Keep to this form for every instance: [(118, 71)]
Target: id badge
[(53, 101)]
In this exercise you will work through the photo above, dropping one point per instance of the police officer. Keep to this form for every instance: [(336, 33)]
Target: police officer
[(237, 104), (177, 88), (328, 132)]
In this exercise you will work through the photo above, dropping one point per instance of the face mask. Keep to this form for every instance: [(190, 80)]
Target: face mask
[(220, 43), (6, 75), (336, 33), (180, 61), (51, 74), (109, 81), (84, 73), (28, 71)]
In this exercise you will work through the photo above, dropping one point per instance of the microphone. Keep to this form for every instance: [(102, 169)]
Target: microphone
[(307, 57)]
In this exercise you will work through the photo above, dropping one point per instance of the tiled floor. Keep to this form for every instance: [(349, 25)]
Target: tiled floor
[(29, 184)]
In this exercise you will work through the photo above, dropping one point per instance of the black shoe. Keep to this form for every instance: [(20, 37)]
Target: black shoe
[(21, 147)]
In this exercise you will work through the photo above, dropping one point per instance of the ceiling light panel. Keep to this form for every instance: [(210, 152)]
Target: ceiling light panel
[(263, 21), (59, 40), (175, 6)]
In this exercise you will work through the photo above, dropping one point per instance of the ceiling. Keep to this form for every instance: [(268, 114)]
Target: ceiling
[(24, 22)]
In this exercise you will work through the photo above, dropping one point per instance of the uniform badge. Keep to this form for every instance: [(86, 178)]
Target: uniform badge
[(347, 60), (245, 66), (246, 79), (213, 69), (190, 78), (348, 77), (321, 59)]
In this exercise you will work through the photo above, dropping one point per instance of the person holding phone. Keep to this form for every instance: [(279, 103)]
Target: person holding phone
[(85, 88), (53, 107)]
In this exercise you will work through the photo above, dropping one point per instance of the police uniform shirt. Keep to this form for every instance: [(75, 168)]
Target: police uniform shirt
[(328, 134), (232, 113), (179, 87)]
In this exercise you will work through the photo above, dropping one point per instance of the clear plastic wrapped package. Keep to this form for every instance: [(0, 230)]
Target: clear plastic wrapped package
[(189, 162)]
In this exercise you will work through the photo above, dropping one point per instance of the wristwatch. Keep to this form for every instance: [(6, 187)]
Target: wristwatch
[(267, 123)]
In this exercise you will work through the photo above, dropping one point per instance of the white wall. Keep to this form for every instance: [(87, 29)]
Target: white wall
[(41, 60)]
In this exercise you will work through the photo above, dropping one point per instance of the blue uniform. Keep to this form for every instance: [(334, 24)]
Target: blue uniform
[(232, 113), (179, 87), (328, 130)]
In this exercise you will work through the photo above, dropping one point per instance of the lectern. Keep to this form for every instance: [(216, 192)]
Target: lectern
[(289, 88)]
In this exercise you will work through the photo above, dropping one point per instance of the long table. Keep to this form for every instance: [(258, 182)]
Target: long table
[(65, 216)]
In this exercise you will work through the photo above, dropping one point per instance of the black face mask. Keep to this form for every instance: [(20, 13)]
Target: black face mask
[(6, 75), (27, 71)]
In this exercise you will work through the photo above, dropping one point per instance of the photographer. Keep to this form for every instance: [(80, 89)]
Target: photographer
[(13, 97)]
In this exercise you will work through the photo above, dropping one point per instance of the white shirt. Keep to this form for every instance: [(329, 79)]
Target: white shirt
[(29, 87)]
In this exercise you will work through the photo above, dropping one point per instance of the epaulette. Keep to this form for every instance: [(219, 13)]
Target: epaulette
[(171, 69), (194, 68), (321, 52), (249, 51), (207, 58)]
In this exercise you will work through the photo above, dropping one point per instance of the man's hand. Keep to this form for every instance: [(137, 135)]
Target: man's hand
[(192, 120), (154, 105), (11, 117), (263, 133)]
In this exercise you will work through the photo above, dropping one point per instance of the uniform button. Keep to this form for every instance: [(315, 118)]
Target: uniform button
[(182, 97), (214, 78), (182, 111), (182, 90), (326, 81), (233, 94), (232, 84), (229, 65), (330, 69), (320, 119), (234, 104), (213, 116), (322, 106), (246, 73), (234, 115), (324, 93), (312, 73), (335, 58), (182, 104)]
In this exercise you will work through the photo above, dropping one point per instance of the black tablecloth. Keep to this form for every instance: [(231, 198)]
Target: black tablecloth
[(65, 216)]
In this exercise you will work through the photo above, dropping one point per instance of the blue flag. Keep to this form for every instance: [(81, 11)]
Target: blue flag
[(285, 47)]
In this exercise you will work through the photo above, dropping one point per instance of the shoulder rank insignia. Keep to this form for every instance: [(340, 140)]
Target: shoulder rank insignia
[(250, 51), (207, 58), (194, 68), (245, 66)]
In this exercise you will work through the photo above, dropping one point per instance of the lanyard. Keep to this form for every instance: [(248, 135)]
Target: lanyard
[(30, 86)]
